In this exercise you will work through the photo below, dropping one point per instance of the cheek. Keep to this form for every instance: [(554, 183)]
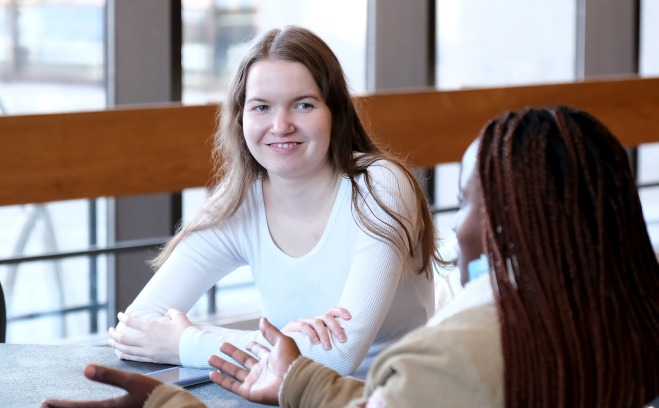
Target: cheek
[(468, 234), (322, 126), (252, 134), (248, 128)]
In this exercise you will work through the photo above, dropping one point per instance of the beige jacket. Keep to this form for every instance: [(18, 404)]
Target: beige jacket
[(457, 363)]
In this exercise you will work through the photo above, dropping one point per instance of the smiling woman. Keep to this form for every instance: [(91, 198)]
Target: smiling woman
[(336, 231), (287, 124)]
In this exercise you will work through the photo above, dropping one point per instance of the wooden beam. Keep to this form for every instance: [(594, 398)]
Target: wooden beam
[(436, 127), (109, 153), (157, 149)]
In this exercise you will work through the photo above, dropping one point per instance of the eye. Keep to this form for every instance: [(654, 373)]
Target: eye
[(260, 108), (305, 105)]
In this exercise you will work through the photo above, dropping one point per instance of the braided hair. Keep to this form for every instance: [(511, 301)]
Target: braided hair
[(575, 278)]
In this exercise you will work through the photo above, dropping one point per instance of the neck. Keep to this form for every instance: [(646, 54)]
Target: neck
[(301, 196)]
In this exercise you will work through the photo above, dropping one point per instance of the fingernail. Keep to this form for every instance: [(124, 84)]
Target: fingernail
[(316, 340), (327, 345), (342, 339), (346, 316)]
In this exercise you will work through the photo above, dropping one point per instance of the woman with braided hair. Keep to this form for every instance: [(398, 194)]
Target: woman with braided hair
[(575, 276), (568, 314)]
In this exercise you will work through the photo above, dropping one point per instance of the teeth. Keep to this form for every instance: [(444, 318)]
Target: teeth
[(283, 145)]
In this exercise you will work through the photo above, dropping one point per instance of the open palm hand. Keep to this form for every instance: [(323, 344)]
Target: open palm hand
[(259, 379)]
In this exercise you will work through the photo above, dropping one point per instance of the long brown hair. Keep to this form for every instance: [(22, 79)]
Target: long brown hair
[(575, 277), (237, 169)]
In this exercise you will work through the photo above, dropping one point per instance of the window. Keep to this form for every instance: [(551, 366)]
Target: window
[(217, 35), (647, 154), (498, 43), (52, 60)]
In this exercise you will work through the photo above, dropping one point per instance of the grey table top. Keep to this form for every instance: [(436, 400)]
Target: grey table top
[(32, 373)]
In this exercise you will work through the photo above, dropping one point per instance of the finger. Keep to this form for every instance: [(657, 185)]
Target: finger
[(134, 356), (172, 313), (304, 328), (133, 322), (107, 375), (270, 332), (122, 379), (137, 385), (54, 403), (228, 368), (238, 355), (258, 350), (125, 338), (340, 313), (335, 328), (321, 331), (227, 383)]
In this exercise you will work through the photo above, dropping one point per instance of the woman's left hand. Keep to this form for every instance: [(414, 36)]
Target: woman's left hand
[(260, 378), (157, 340), (320, 329)]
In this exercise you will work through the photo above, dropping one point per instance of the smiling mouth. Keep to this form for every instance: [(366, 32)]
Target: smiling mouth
[(283, 145)]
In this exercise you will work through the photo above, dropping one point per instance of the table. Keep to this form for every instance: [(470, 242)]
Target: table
[(32, 373)]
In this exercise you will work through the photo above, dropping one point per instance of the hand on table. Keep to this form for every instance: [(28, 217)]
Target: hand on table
[(137, 386), (258, 381), (320, 328), (157, 340)]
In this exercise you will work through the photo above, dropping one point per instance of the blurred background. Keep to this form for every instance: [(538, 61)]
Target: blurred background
[(56, 56)]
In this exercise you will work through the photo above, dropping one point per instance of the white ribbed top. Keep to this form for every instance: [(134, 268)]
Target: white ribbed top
[(377, 283)]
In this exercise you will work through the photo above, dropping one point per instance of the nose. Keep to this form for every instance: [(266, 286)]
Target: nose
[(282, 124)]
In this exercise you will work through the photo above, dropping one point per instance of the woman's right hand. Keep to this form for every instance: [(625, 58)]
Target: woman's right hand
[(319, 329), (137, 386), (153, 341)]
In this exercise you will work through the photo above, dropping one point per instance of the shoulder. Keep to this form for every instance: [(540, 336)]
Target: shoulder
[(468, 331), (217, 200), (384, 176), (382, 168), (459, 359)]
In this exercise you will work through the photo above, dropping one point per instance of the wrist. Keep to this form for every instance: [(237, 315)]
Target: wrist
[(283, 379)]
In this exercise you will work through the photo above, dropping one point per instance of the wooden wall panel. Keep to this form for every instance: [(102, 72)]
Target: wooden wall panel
[(156, 149), (114, 152), (436, 127)]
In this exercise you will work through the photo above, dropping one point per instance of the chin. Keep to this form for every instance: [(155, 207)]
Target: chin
[(464, 275)]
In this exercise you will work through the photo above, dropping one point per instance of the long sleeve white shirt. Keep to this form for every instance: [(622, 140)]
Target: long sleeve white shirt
[(375, 281)]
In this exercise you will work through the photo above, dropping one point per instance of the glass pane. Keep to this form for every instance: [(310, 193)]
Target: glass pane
[(505, 42), (649, 52), (648, 171), (216, 35), (650, 202), (47, 286), (52, 59), (51, 56)]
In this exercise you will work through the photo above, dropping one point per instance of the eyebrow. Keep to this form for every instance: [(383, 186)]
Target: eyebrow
[(296, 99)]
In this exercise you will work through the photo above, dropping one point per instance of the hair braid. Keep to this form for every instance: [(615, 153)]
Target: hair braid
[(574, 273)]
